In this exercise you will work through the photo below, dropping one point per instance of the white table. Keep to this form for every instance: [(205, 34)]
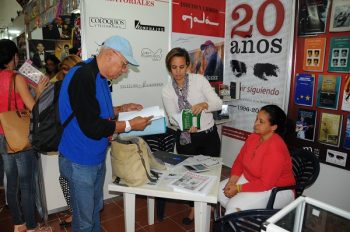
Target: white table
[(201, 207)]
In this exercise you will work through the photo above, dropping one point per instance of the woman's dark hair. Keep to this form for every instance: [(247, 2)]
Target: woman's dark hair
[(176, 52), (8, 50), (276, 117), (55, 60)]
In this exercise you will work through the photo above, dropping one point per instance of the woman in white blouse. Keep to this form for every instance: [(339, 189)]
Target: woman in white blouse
[(191, 91)]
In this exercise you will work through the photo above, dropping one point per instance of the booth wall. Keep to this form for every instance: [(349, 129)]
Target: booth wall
[(332, 187)]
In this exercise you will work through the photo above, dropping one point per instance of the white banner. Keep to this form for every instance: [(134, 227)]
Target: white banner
[(137, 21), (193, 23), (258, 54)]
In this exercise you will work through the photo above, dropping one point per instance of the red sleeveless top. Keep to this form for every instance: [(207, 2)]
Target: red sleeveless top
[(5, 80)]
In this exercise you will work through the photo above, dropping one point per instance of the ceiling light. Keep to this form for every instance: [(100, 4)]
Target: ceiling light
[(14, 32), (76, 11)]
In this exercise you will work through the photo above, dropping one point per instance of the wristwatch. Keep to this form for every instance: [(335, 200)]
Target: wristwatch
[(127, 126)]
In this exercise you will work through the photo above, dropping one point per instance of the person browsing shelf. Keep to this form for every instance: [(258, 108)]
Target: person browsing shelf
[(51, 66), (19, 167), (83, 146), (263, 163), (191, 91), (66, 64)]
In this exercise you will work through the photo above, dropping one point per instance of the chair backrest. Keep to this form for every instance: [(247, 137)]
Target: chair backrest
[(306, 168), (243, 221), (161, 142)]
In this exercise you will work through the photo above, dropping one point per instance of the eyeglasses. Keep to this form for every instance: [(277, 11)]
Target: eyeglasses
[(125, 62)]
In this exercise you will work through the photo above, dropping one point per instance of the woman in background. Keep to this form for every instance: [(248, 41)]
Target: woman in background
[(51, 65), (66, 64), (19, 167), (191, 91), (64, 67), (263, 163)]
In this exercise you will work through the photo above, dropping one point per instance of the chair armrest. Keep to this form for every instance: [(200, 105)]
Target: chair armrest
[(274, 192)]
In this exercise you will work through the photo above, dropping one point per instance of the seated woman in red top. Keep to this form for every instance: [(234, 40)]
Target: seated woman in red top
[(263, 163)]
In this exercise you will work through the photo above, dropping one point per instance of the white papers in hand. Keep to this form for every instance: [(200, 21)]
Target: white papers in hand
[(154, 111)]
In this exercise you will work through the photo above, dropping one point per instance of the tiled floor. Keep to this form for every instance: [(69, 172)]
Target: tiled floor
[(112, 216)]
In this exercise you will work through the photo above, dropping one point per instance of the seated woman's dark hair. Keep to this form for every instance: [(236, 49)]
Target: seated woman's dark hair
[(8, 50), (176, 52), (276, 117)]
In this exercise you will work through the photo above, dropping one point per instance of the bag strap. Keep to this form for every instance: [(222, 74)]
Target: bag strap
[(71, 116), (11, 88), (68, 120), (143, 162)]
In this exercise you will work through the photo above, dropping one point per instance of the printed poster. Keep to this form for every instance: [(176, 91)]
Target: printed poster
[(339, 56), (346, 95), (258, 54), (306, 124), (312, 16), (336, 157), (198, 26), (314, 52), (328, 91), (137, 21), (330, 128), (347, 134), (340, 16), (304, 89)]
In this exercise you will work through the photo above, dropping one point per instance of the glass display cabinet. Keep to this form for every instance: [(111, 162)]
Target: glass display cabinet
[(308, 215)]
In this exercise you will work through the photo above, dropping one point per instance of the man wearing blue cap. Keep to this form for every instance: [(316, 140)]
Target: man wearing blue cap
[(85, 94)]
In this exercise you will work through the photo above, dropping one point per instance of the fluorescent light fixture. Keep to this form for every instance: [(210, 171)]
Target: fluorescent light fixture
[(14, 32), (76, 11)]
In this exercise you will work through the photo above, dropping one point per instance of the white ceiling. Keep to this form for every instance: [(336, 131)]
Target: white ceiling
[(8, 10)]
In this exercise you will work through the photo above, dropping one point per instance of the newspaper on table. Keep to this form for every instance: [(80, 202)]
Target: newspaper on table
[(30, 72), (200, 163), (191, 182)]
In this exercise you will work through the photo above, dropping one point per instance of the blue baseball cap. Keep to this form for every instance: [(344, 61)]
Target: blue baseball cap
[(123, 46)]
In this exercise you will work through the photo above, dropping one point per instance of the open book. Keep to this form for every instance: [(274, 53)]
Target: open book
[(185, 120), (157, 126), (30, 72), (192, 182)]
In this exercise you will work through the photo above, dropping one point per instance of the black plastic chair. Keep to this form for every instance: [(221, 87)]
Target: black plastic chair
[(161, 142), (306, 168), (247, 220)]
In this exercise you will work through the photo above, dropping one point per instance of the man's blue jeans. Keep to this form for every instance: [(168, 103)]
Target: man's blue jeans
[(86, 188), (20, 168)]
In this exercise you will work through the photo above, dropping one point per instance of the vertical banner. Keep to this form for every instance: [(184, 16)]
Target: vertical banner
[(258, 54), (137, 21), (196, 25)]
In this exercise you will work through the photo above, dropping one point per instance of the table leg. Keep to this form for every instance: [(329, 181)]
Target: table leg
[(201, 216), (150, 208), (129, 212)]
